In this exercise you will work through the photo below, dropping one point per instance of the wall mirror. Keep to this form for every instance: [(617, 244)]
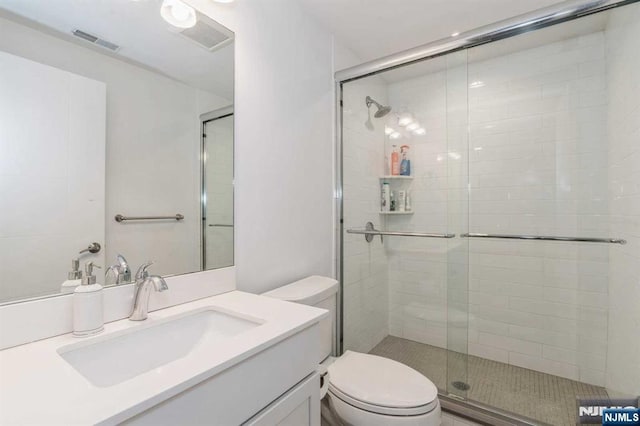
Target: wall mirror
[(116, 141)]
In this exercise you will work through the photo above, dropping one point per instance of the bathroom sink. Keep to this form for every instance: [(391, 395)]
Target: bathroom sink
[(114, 358)]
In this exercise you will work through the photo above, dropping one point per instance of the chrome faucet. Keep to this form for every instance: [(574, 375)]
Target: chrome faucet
[(143, 285), (120, 271)]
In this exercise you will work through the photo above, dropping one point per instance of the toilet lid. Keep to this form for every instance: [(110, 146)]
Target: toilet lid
[(381, 385)]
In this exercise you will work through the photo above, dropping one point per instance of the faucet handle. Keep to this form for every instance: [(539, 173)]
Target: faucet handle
[(123, 269), (113, 269), (121, 260), (142, 271)]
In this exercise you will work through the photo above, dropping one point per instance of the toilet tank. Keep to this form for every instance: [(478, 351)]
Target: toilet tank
[(321, 292)]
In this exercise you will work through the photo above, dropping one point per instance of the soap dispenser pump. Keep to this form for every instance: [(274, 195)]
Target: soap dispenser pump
[(74, 278), (88, 305)]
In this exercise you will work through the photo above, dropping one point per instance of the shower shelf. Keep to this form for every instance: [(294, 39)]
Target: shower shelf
[(396, 213)]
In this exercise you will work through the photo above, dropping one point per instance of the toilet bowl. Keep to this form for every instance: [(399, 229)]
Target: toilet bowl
[(363, 389)]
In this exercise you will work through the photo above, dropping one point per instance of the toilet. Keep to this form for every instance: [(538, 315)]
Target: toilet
[(363, 390)]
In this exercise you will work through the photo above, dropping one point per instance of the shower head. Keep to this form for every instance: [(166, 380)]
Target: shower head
[(382, 109)]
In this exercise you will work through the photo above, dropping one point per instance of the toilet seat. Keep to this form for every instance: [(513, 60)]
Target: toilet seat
[(381, 385)]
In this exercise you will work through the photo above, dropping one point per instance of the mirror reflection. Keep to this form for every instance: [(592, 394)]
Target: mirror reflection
[(116, 142)]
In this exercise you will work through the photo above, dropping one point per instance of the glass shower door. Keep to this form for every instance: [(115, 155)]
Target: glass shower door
[(364, 283), (404, 284), (550, 127)]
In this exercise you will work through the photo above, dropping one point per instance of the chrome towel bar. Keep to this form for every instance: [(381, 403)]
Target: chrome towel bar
[(546, 238), (400, 234), (369, 231), (121, 218)]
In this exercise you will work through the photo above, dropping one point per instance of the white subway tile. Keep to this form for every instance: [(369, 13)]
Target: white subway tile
[(510, 344), (489, 352)]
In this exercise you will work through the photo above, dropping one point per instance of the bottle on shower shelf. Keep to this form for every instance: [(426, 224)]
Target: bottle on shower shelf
[(402, 200), (385, 202), (395, 161), (405, 164)]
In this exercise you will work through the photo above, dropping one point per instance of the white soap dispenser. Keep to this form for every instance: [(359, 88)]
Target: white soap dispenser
[(88, 305), (74, 278)]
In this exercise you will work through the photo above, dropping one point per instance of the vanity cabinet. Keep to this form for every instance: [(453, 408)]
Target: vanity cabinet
[(244, 359), (278, 386)]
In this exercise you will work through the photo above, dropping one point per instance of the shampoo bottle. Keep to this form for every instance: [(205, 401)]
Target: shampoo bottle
[(402, 199), (74, 278), (405, 165), (88, 308), (395, 162)]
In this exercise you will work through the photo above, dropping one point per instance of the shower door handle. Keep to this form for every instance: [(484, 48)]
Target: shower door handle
[(370, 227), (369, 231)]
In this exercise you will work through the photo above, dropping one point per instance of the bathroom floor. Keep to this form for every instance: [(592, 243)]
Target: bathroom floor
[(540, 396)]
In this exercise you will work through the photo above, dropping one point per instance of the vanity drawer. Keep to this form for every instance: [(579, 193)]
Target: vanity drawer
[(298, 407)]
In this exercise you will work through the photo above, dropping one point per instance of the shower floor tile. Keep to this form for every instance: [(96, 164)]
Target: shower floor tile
[(539, 396)]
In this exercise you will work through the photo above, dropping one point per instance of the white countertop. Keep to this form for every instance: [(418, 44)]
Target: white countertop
[(37, 386)]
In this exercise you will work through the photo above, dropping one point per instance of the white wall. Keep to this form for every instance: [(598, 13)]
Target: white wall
[(153, 148), (623, 62), (283, 144)]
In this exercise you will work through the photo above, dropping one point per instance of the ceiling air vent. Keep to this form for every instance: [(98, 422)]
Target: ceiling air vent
[(208, 34), (95, 40)]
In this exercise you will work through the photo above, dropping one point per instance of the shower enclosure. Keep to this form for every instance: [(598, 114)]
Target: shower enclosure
[(511, 277)]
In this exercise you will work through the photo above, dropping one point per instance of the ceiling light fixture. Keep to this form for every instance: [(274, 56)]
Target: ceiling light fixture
[(456, 34), (420, 131), (394, 135), (178, 13), (388, 130)]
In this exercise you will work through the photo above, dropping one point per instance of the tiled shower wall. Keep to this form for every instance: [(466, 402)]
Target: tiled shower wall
[(538, 165), (418, 266)]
